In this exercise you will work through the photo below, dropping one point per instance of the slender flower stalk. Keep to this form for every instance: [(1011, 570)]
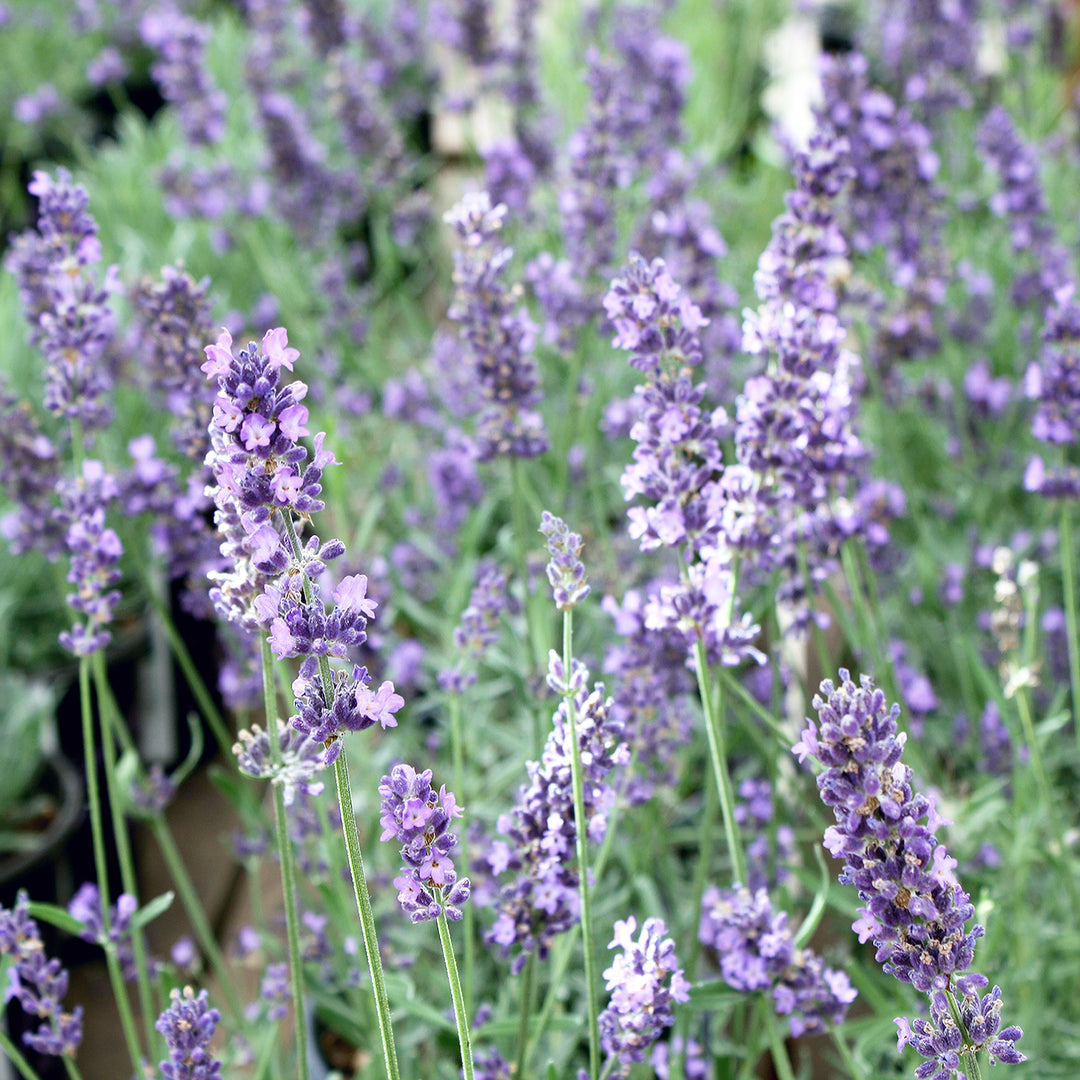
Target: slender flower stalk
[(566, 574), (288, 867)]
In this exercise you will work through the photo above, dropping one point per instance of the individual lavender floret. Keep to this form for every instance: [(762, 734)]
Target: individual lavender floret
[(188, 1025), (565, 571), (757, 952), (95, 555), (499, 334), (916, 912), (645, 981), (68, 311), (542, 900), (417, 815), (299, 764), (38, 983)]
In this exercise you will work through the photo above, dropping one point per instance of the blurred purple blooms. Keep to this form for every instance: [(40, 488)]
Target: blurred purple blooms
[(498, 333), (757, 952)]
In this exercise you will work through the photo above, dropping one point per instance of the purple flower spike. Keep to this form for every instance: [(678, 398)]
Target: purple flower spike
[(499, 334), (645, 980), (757, 952), (188, 1025), (916, 912), (39, 983), (565, 571), (417, 815)]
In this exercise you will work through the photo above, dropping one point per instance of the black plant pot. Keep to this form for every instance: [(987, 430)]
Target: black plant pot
[(41, 870)]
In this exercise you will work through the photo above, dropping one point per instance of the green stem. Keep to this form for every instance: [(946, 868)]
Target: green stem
[(16, 1057), (524, 1048), (71, 1068), (460, 1014), (110, 720), (845, 1052), (458, 749), (718, 756), (521, 532), (367, 916), (199, 922), (288, 865), (1068, 576), (581, 830), (93, 794), (776, 1045), (1023, 707)]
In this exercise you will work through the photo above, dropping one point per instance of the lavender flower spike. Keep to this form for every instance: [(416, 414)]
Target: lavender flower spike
[(188, 1025), (565, 571), (419, 816), (916, 912), (645, 980)]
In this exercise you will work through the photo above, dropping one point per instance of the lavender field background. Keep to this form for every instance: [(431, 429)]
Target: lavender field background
[(543, 535)]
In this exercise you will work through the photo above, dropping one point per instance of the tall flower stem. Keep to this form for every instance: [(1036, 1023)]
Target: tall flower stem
[(288, 865), (718, 755), (777, 1049), (1068, 577), (110, 720), (199, 922), (521, 531), (591, 985), (93, 794), (15, 1056), (367, 916), (457, 742), (524, 1043), (355, 856), (460, 1014)]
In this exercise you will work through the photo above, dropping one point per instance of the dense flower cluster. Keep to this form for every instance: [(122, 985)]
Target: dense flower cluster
[(259, 469), (916, 912), (893, 203), (95, 554), (543, 900), (499, 334), (38, 983), (188, 1025), (68, 310), (757, 952), (678, 462), (1022, 202), (795, 436), (565, 571), (645, 981), (418, 816)]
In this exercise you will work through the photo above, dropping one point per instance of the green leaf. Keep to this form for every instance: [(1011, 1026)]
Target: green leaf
[(148, 912), (56, 916)]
